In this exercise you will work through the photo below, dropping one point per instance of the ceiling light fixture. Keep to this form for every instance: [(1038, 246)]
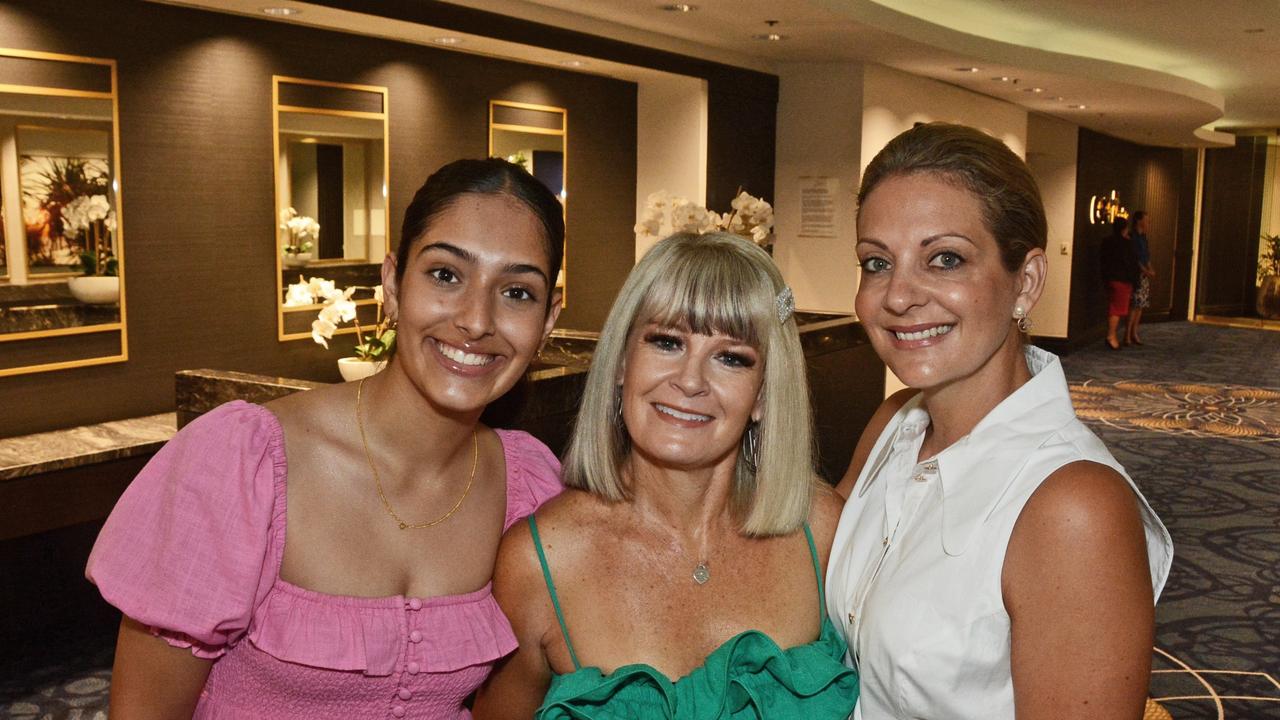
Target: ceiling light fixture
[(573, 63), (968, 69), (679, 7), (1077, 107), (1002, 78), (281, 11), (1033, 90), (772, 37), (447, 40)]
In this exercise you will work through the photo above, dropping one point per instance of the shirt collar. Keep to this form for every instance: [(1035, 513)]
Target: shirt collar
[(977, 470)]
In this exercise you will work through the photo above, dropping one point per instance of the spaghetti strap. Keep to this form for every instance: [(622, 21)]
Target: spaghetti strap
[(817, 570), (555, 600)]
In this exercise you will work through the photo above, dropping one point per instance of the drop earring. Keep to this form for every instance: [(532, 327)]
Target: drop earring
[(1024, 322)]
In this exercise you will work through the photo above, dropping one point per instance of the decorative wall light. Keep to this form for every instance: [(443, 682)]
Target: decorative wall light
[(1104, 209)]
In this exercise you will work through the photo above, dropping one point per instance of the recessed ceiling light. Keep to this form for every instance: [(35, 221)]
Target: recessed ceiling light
[(968, 69), (679, 7), (447, 40), (281, 11), (573, 63), (1033, 89), (773, 37), (1002, 78), (1077, 107)]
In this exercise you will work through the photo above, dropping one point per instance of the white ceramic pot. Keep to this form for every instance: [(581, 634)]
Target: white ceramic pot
[(353, 368), (297, 260), (95, 289)]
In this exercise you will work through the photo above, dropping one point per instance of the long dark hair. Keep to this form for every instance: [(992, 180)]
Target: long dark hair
[(492, 176)]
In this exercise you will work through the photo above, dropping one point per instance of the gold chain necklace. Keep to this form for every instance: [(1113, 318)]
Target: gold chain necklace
[(475, 459)]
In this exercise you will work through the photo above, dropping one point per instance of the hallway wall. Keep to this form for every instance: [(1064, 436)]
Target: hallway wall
[(196, 182)]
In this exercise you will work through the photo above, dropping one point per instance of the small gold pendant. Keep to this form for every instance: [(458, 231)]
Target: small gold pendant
[(404, 526), (701, 574)]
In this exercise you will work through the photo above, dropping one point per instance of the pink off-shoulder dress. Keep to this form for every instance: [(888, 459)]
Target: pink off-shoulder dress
[(193, 550)]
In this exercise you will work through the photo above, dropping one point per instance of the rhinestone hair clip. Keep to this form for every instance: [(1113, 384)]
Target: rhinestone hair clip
[(785, 302)]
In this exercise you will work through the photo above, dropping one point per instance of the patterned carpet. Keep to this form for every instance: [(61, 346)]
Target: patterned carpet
[(1194, 415)]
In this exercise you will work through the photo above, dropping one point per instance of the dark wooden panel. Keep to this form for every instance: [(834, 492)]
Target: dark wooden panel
[(1183, 251), (329, 185), (61, 348), (741, 132), (1229, 220), (508, 115), (38, 503), (330, 98)]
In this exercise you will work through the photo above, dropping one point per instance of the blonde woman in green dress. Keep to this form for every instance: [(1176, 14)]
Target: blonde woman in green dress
[(681, 575)]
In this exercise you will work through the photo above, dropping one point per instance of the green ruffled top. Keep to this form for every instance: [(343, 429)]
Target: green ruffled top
[(747, 678)]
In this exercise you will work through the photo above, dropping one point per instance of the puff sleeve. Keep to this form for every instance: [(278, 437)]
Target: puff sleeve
[(188, 549), (533, 474)]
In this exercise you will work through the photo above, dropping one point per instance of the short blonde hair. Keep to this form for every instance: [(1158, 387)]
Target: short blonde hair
[(711, 283)]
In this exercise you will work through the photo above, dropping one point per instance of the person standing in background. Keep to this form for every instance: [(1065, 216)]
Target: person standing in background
[(1141, 299), (1120, 274)]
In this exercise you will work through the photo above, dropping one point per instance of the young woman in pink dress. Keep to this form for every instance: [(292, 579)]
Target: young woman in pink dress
[(329, 554)]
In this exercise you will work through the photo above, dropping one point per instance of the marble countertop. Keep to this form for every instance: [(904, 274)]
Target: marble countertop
[(60, 449)]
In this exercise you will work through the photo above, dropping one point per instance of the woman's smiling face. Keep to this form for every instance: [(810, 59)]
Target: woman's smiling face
[(687, 397), (934, 296), (472, 303)]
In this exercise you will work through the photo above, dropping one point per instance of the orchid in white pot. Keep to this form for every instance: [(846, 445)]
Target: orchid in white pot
[(374, 346), (299, 231), (90, 219)]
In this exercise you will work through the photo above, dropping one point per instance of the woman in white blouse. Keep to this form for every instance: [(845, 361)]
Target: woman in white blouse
[(993, 559)]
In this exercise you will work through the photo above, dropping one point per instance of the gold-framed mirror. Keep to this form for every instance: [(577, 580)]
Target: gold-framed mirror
[(536, 137), (62, 299), (331, 167)]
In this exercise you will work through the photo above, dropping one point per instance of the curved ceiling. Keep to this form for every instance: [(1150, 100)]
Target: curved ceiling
[(1160, 72)]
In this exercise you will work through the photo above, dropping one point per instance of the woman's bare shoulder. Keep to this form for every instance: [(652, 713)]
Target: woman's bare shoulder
[(824, 516)]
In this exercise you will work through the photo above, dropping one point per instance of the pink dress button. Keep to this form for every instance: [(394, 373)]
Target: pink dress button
[(412, 668), (415, 604), (397, 711), (404, 694), (415, 636)]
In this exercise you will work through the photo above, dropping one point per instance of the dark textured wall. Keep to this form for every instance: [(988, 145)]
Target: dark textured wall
[(1144, 178), (1229, 222), (196, 182)]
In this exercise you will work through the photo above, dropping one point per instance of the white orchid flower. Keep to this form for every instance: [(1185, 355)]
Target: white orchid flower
[(322, 330), (657, 200), (299, 293), (322, 288), (377, 294)]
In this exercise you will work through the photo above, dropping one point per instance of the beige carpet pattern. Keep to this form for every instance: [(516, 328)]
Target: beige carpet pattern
[(1236, 412)]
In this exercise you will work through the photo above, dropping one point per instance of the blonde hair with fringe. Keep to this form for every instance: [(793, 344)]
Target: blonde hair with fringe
[(710, 283)]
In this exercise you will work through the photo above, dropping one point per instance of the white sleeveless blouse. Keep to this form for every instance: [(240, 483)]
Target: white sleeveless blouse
[(914, 575)]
